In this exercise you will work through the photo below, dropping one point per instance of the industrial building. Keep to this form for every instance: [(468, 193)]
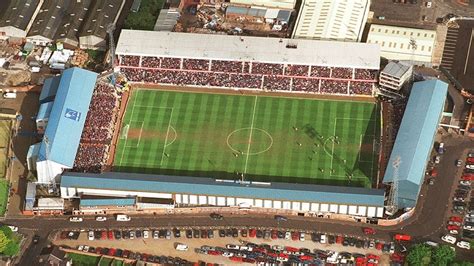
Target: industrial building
[(58, 21), (415, 139), (18, 17), (94, 29), (62, 115), (395, 75), (337, 20), (404, 44), (142, 192), (75, 23)]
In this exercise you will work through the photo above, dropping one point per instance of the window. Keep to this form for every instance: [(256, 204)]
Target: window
[(380, 30), (418, 34), (383, 44), (390, 45), (404, 33), (386, 31), (401, 46), (426, 34), (394, 45)]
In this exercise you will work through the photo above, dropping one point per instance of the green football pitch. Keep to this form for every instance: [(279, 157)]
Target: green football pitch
[(255, 138)]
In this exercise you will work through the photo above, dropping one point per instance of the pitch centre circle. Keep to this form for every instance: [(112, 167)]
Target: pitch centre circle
[(249, 141)]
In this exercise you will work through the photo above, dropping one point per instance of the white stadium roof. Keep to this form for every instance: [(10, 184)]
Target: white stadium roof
[(243, 48)]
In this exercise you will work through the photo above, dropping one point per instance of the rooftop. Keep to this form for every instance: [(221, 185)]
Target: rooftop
[(49, 18), (268, 50), (68, 114), (396, 69), (50, 88), (415, 138), (101, 14), (19, 13), (198, 185)]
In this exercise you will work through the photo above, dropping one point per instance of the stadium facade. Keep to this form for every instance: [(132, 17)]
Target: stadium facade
[(183, 191), (415, 140)]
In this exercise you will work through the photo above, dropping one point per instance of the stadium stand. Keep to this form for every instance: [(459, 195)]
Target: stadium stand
[(415, 139), (98, 129), (239, 62)]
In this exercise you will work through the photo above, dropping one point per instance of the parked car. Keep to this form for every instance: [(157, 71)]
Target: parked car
[(75, 219), (280, 218), (402, 237), (464, 244), (449, 239), (90, 236), (368, 231), (216, 216), (101, 218)]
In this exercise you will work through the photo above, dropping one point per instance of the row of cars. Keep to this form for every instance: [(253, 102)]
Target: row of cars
[(264, 254), (461, 225), (127, 254)]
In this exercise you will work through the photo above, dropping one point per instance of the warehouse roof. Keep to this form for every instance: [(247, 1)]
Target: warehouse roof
[(75, 14), (415, 138), (19, 13), (67, 117), (101, 14), (209, 186), (269, 50), (49, 18)]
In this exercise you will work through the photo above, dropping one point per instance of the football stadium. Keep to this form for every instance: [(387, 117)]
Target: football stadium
[(232, 122)]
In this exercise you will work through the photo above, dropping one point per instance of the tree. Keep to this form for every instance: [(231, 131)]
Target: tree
[(3, 241), (443, 255), (420, 254)]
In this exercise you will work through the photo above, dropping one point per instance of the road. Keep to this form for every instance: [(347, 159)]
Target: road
[(427, 223)]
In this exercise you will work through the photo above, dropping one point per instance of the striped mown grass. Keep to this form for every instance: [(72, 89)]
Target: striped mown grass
[(271, 139)]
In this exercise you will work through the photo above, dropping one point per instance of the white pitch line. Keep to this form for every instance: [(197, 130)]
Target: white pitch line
[(166, 138), (333, 140), (250, 136), (140, 136), (126, 137)]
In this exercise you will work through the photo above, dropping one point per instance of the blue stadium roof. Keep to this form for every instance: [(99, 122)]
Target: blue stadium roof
[(415, 138), (33, 150), (50, 87), (44, 110), (68, 115), (108, 202), (209, 186)]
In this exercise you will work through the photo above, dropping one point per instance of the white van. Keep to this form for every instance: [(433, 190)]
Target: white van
[(9, 95), (123, 218), (181, 247)]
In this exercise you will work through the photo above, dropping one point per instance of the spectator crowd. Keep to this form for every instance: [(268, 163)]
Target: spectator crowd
[(98, 129), (251, 75)]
